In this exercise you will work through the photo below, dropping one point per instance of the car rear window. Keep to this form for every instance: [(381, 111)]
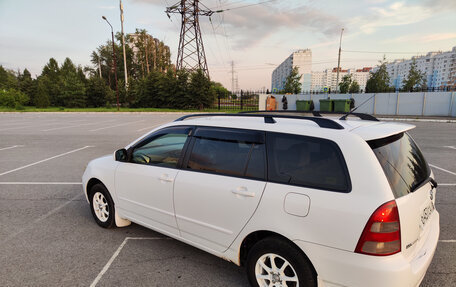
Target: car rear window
[(306, 161), (402, 161), (228, 152)]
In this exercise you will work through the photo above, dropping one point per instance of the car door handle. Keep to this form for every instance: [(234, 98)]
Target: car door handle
[(166, 178), (243, 191)]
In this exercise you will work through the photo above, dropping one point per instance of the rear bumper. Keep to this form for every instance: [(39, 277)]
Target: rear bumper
[(342, 268)]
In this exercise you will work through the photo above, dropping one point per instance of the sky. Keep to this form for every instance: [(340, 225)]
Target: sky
[(256, 38)]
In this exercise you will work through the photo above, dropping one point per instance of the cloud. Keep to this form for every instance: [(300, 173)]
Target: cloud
[(325, 44), (154, 2), (397, 14), (440, 4), (438, 37), (249, 26), (107, 7), (375, 1), (419, 38), (252, 25)]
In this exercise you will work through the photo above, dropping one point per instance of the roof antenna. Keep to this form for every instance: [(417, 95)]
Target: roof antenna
[(344, 117)]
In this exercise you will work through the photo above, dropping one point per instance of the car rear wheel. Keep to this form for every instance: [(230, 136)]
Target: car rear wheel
[(102, 206), (275, 262)]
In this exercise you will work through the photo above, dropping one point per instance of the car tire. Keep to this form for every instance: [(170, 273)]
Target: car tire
[(102, 206), (297, 270)]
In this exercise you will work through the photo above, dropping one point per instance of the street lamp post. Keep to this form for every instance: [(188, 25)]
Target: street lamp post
[(123, 45), (338, 60), (114, 64)]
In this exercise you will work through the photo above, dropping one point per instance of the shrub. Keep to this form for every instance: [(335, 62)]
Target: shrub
[(6, 99), (19, 107), (11, 97)]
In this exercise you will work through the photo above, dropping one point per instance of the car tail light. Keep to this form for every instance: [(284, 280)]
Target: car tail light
[(382, 234)]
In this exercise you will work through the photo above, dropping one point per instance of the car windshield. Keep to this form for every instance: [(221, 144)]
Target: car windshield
[(402, 161)]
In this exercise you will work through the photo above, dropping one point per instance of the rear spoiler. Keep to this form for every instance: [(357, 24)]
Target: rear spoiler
[(381, 130)]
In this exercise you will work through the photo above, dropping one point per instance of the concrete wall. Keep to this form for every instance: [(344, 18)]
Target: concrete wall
[(404, 104)]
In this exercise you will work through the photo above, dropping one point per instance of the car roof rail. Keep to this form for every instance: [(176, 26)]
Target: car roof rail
[(362, 116), (269, 118)]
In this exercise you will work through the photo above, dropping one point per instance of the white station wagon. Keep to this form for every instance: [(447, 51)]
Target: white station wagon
[(298, 200)]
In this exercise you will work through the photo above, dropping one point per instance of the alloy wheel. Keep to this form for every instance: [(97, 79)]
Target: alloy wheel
[(100, 206), (273, 270)]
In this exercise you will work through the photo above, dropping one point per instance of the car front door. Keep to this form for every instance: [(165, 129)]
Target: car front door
[(144, 184), (219, 186)]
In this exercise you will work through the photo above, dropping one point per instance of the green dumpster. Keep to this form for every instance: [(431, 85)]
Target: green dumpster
[(342, 105), (303, 105), (326, 105)]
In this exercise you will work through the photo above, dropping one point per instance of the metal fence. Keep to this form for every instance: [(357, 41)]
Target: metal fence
[(402, 104), (240, 101), (390, 90)]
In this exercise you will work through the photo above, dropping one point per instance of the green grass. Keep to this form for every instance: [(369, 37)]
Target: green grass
[(101, 110)]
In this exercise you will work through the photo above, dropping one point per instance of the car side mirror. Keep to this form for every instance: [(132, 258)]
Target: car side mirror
[(121, 155)]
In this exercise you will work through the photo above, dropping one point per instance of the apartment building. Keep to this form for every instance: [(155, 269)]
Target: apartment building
[(439, 69), (328, 78), (301, 59)]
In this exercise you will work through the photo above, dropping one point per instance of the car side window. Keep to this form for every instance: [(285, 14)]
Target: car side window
[(306, 161), (162, 149), (256, 167), (227, 153)]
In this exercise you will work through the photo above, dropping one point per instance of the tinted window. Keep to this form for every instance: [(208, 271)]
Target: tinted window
[(220, 153), (402, 161), (163, 149), (306, 161), (256, 166)]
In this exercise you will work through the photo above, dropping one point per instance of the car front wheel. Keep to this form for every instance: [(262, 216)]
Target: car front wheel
[(275, 262), (102, 206)]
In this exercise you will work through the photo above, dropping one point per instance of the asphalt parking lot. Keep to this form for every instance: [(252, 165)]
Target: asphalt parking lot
[(48, 236)]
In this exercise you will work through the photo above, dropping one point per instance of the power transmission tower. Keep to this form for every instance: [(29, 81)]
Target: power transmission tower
[(191, 55)]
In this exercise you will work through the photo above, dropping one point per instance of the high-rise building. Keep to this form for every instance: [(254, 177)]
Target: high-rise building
[(439, 69), (328, 78), (313, 81), (301, 59)]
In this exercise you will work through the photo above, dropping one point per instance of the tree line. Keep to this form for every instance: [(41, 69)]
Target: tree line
[(379, 81), (152, 80)]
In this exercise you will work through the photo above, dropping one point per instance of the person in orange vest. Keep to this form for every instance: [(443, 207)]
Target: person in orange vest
[(271, 103)]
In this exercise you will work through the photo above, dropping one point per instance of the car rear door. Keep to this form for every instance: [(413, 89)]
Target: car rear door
[(220, 185), (411, 181)]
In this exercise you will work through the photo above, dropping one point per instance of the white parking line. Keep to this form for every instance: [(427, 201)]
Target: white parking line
[(6, 124), (448, 241), (38, 183), (452, 147), (30, 126), (33, 223), (35, 163), (450, 172), (119, 125), (74, 126), (15, 128), (10, 147), (113, 257), (447, 184)]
